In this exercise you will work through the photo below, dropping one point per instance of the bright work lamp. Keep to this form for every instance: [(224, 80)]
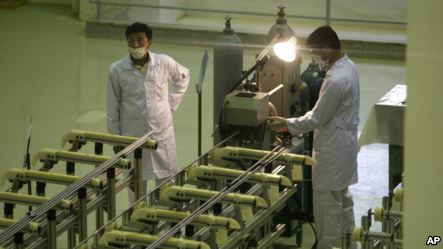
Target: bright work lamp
[(286, 50)]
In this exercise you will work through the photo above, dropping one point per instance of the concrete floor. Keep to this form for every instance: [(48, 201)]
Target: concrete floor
[(49, 70)]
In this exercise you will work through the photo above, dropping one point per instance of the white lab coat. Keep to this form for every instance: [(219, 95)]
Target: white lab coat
[(140, 104), (334, 120)]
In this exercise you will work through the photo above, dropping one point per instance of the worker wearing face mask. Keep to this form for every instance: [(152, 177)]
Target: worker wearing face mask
[(334, 120), (139, 100)]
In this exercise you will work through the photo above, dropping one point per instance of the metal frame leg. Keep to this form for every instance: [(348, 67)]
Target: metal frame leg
[(138, 177), (82, 215), (52, 229), (110, 192), (99, 213), (72, 241), (18, 241)]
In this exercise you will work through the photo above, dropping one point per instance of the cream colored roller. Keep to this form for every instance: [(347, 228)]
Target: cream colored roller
[(398, 194), (122, 238), (32, 200), (153, 214), (25, 175), (63, 155), (32, 227), (357, 234), (229, 152), (86, 136), (211, 173), (380, 214), (177, 193)]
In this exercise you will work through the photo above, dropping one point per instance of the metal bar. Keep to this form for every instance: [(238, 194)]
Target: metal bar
[(270, 93), (82, 214), (199, 121), (45, 207), (138, 174), (328, 12), (98, 9), (199, 88), (100, 2), (27, 158), (18, 241), (99, 217), (8, 211), (155, 189), (70, 170), (71, 238), (52, 229), (261, 61), (110, 192), (98, 148), (236, 183), (99, 213)]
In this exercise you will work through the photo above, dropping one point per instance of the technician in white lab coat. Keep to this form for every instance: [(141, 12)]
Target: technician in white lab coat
[(334, 120), (139, 100)]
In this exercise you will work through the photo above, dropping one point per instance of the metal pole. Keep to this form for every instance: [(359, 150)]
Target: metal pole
[(8, 211), (328, 12), (82, 214), (52, 229), (98, 9), (27, 158), (199, 88), (365, 224), (386, 206), (71, 237), (18, 241), (110, 173), (40, 188), (99, 214), (199, 124), (70, 170), (138, 177)]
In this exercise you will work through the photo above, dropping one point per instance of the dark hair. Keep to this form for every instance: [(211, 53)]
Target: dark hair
[(139, 27), (323, 36)]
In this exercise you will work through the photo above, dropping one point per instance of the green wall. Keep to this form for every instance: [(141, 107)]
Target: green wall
[(424, 124)]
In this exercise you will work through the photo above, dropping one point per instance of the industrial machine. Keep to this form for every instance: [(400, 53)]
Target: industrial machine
[(227, 201), (272, 86)]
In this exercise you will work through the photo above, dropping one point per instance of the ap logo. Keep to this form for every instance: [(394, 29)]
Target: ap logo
[(433, 240)]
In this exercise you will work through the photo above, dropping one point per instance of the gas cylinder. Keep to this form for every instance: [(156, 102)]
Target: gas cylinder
[(281, 26), (276, 72), (228, 67)]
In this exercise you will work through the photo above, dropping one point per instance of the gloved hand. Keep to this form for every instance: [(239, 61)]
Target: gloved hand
[(117, 148), (278, 123)]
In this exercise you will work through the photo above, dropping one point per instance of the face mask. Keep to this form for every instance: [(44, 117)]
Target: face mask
[(319, 60), (137, 53)]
